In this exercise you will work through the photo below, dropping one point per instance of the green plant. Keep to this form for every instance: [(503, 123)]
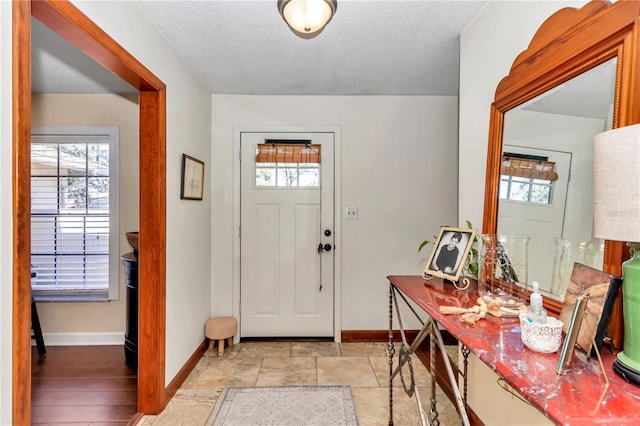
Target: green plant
[(472, 257)]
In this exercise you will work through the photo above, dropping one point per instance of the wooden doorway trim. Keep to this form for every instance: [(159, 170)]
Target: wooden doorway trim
[(68, 21)]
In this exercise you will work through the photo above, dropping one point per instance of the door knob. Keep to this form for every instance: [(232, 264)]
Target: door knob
[(326, 247), (327, 232)]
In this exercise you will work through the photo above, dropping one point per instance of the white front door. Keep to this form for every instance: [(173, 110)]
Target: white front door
[(541, 222), (286, 213)]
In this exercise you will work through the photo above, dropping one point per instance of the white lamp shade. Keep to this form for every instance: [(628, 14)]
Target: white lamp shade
[(307, 16), (616, 184)]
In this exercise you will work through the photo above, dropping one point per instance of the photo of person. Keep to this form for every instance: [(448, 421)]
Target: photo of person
[(449, 252)]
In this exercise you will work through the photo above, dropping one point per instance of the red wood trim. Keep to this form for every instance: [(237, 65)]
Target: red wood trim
[(21, 109), (152, 252), (567, 39), (383, 336), (557, 26), (375, 335), (184, 372), (69, 22)]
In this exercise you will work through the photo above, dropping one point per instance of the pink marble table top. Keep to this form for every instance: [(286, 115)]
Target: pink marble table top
[(579, 395)]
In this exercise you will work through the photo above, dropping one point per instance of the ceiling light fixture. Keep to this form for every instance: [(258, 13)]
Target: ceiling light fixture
[(307, 18)]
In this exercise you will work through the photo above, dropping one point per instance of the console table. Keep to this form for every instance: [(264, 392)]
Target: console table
[(580, 395)]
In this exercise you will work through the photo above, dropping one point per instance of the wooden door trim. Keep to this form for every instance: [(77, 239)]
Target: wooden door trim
[(68, 21)]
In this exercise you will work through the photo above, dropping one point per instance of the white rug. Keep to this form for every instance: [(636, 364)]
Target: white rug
[(288, 405)]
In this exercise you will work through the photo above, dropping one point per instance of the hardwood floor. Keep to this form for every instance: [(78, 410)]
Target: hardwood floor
[(82, 385)]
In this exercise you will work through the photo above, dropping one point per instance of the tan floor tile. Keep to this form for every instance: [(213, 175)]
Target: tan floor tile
[(189, 407), (265, 349), (288, 372), (381, 368), (363, 349), (364, 366), (315, 349), (354, 371), (212, 372), (372, 406), (232, 351)]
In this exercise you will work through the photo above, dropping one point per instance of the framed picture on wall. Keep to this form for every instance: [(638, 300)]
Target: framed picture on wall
[(192, 182), (449, 252)]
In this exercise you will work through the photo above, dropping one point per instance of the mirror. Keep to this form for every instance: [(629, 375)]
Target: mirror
[(532, 113), (557, 212)]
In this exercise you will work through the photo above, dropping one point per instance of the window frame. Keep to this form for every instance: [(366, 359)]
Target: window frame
[(110, 134), (531, 183)]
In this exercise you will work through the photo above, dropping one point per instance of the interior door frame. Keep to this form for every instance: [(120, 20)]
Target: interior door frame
[(70, 23), (337, 206)]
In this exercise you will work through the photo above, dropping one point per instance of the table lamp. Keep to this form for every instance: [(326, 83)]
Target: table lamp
[(616, 187)]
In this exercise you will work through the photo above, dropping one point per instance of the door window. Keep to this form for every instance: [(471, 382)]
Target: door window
[(287, 165)]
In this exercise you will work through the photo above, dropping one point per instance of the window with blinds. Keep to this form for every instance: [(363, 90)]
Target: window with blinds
[(527, 178), (288, 164), (74, 213)]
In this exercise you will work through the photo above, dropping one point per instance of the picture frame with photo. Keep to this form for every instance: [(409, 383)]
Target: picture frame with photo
[(450, 252), (602, 289), (572, 326), (192, 178)]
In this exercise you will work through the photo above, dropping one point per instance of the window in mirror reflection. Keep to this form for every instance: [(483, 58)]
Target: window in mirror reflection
[(527, 178), (527, 190)]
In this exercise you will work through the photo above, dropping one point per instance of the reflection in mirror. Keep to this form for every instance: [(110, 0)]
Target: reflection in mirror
[(554, 133)]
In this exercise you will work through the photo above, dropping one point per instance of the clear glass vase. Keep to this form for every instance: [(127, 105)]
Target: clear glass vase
[(589, 253), (502, 267)]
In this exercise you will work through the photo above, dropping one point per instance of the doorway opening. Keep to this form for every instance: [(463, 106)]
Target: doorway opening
[(68, 21)]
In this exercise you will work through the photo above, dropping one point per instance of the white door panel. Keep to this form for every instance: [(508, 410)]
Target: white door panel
[(286, 285), (540, 222)]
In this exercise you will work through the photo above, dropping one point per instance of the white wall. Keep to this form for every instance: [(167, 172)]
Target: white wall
[(188, 131), (399, 157), (188, 222), (488, 46), (6, 235)]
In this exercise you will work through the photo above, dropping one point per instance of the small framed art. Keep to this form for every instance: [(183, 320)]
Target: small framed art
[(449, 252), (192, 183), (572, 326), (602, 289)]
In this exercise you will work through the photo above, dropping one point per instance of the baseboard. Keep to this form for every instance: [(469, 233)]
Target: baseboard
[(383, 336), (135, 419), (82, 339), (184, 372)]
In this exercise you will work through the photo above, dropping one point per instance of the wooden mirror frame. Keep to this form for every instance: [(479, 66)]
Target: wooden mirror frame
[(569, 43)]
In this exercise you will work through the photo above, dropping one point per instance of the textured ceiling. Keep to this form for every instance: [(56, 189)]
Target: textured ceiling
[(370, 47)]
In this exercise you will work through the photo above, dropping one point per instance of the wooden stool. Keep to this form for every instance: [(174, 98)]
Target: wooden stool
[(220, 329)]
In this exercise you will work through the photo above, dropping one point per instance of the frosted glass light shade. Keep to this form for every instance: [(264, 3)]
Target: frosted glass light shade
[(307, 17), (616, 184)]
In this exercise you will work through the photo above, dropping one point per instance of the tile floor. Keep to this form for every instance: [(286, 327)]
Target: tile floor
[(364, 366)]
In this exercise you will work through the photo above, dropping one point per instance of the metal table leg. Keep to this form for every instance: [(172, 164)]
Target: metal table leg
[(430, 328)]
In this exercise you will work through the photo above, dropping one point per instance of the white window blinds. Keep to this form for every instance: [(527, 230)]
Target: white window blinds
[(74, 211)]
